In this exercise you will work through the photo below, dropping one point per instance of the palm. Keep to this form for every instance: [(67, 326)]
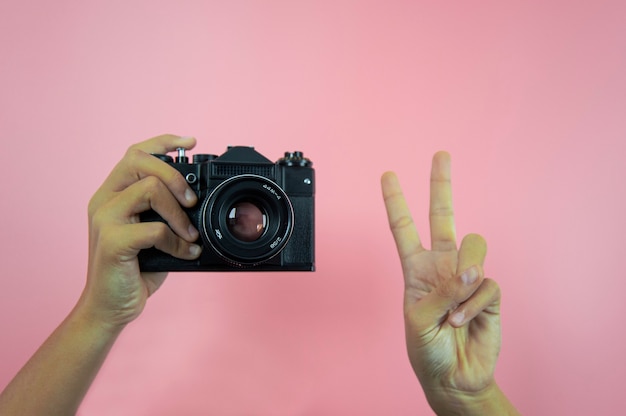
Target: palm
[(461, 358), (426, 270), (116, 275)]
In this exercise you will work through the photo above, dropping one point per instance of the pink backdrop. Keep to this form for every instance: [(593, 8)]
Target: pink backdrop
[(529, 98)]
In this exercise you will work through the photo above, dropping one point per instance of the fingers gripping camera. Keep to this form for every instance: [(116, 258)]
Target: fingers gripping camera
[(252, 214)]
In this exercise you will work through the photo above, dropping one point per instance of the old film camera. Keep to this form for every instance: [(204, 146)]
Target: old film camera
[(252, 214)]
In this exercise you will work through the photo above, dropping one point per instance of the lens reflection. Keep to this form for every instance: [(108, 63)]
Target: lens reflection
[(246, 221)]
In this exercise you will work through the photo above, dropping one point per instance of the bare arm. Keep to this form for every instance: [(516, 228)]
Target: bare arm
[(55, 380), (57, 377)]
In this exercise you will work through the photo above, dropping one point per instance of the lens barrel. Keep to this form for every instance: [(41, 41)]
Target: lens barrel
[(247, 220)]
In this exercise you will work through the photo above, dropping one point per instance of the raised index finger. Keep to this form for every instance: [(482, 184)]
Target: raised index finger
[(400, 221)]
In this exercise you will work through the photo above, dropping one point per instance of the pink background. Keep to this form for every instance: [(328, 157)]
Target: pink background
[(529, 98)]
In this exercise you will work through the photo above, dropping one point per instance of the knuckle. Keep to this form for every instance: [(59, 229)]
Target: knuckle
[(442, 211), (166, 241), (174, 178), (474, 247), (160, 231), (151, 182), (151, 187), (99, 218), (92, 206), (134, 151), (492, 286), (401, 222), (106, 236), (107, 239), (446, 244), (134, 155), (180, 248)]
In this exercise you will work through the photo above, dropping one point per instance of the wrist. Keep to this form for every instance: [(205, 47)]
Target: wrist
[(488, 401), (94, 321)]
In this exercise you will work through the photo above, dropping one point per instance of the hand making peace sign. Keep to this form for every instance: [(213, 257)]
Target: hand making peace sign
[(451, 310)]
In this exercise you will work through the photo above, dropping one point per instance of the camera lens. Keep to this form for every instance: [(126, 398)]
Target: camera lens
[(247, 220)]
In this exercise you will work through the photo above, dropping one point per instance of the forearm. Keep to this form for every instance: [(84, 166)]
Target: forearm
[(491, 401), (56, 378)]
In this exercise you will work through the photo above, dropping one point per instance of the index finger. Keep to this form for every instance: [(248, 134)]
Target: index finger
[(165, 143), (399, 216), (138, 164)]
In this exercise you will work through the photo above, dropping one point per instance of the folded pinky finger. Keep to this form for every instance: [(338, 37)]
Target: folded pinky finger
[(485, 299)]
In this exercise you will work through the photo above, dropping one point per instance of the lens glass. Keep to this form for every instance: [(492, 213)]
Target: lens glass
[(246, 221)]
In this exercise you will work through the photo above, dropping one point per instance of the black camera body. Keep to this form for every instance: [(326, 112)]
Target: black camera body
[(252, 214)]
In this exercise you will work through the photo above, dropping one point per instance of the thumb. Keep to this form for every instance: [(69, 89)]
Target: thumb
[(153, 281)]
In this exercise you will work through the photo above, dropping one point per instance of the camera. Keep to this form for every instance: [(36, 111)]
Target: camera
[(252, 214)]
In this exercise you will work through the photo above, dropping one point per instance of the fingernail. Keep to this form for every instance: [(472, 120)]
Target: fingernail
[(458, 318), (190, 195), (185, 138), (469, 276), (195, 250), (193, 232)]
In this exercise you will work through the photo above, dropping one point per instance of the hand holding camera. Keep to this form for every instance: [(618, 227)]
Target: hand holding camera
[(116, 290)]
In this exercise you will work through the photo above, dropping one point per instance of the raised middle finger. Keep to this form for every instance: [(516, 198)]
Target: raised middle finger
[(442, 228)]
